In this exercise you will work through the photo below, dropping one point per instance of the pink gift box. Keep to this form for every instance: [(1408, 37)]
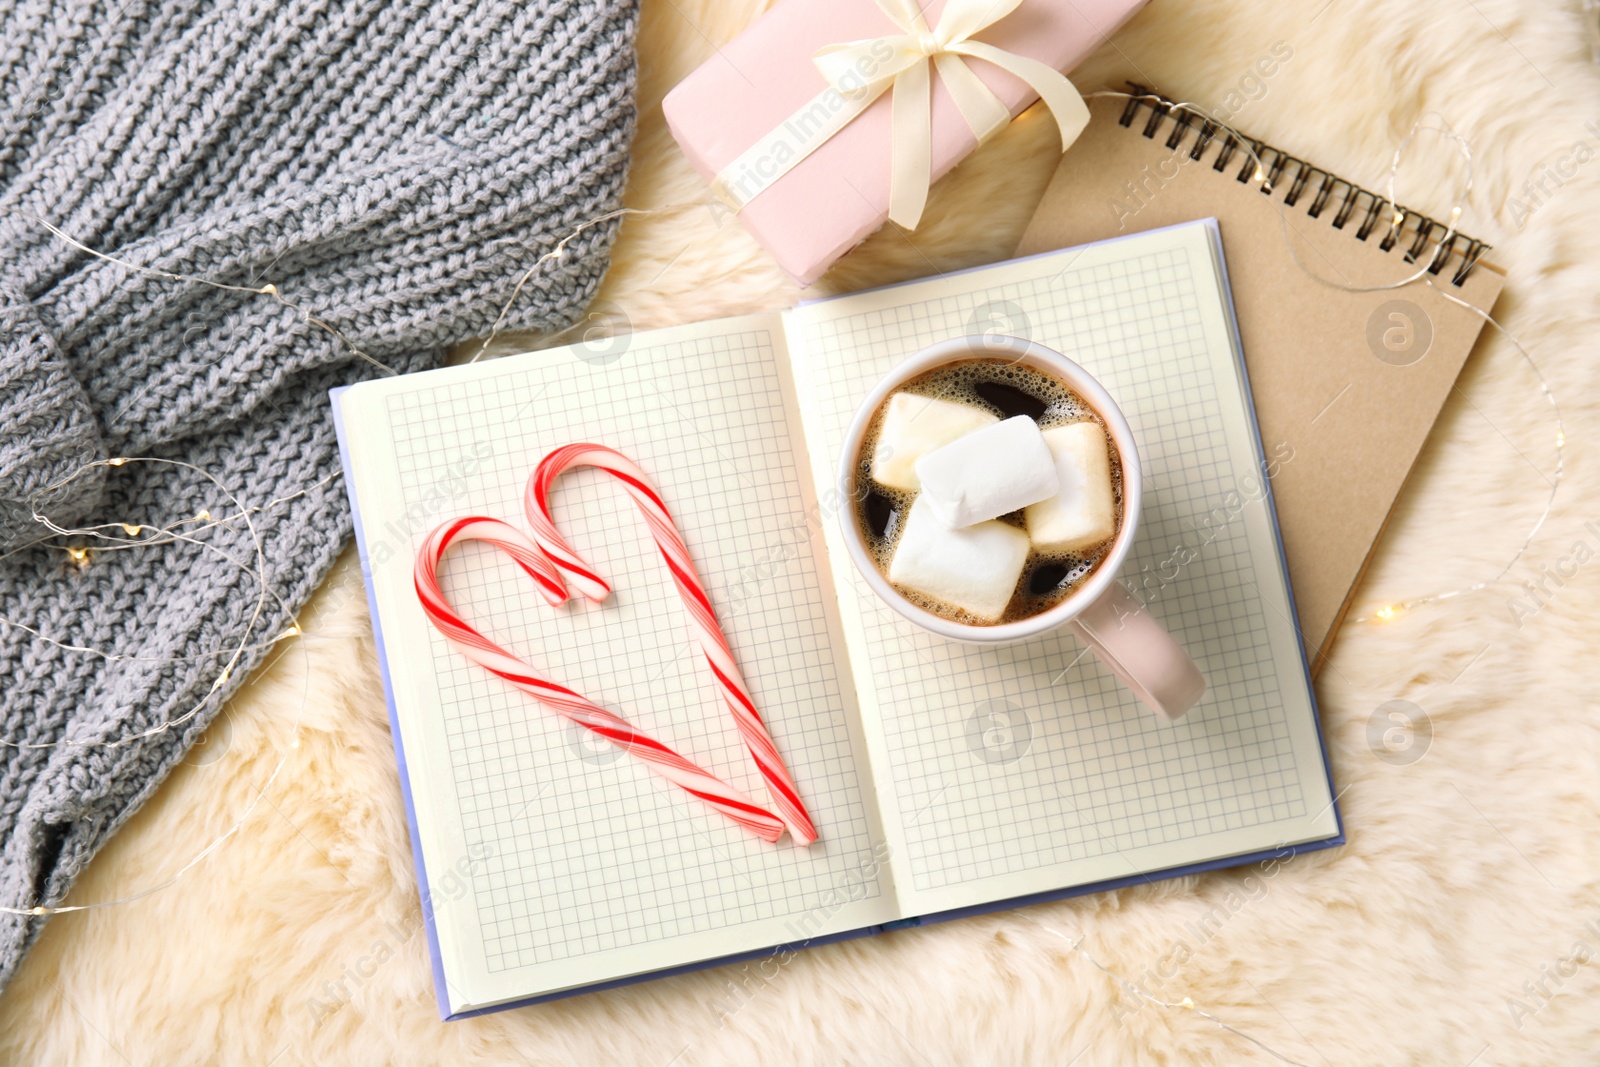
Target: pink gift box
[(839, 194)]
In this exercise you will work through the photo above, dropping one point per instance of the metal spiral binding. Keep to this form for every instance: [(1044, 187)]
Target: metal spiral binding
[(1329, 189)]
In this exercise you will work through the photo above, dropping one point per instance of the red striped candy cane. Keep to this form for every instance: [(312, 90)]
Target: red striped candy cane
[(735, 694), (479, 649)]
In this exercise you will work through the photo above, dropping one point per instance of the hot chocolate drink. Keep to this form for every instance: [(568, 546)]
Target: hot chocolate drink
[(988, 491)]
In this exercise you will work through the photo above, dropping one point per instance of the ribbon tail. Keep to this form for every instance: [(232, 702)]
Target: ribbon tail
[(911, 159), (1066, 104), (984, 112)]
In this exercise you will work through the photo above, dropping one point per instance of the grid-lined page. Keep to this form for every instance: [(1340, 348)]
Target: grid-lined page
[(577, 863), (1005, 771)]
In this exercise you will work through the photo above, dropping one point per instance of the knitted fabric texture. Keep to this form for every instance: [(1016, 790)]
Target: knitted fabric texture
[(393, 166)]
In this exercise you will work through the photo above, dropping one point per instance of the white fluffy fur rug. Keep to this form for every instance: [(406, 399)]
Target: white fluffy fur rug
[(1461, 924)]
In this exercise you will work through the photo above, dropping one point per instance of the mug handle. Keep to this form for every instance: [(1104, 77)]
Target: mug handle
[(1120, 630)]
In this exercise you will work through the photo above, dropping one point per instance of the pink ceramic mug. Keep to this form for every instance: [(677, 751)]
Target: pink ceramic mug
[(1106, 617)]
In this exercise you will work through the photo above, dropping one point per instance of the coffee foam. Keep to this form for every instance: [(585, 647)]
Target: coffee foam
[(956, 382)]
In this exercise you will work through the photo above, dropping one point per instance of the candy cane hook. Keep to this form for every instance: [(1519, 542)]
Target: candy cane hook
[(731, 685)]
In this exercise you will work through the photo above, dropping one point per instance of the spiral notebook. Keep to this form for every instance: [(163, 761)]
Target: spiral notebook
[(943, 779), (1347, 385)]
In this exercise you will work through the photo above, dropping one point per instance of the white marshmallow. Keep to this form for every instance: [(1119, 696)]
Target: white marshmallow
[(988, 473), (915, 425), (1083, 513), (974, 569)]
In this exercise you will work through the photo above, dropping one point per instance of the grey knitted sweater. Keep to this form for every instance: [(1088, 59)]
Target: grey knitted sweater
[(393, 166)]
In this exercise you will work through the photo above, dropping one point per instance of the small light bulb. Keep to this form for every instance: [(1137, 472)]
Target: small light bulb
[(79, 555), (1187, 1002), (1260, 175), (1561, 438), (119, 461), (1387, 612), (292, 631), (222, 679), (269, 289), (39, 909), (203, 515), (131, 529)]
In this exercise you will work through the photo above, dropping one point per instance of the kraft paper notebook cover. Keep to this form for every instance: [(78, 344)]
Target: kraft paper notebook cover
[(944, 779), (1352, 420)]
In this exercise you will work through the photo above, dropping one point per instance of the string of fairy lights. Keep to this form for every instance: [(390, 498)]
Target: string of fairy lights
[(80, 545), (137, 532), (1184, 1004)]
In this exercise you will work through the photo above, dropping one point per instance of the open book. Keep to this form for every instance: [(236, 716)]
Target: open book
[(942, 778)]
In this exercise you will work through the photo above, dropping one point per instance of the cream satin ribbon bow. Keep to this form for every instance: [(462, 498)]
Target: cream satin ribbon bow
[(858, 72)]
